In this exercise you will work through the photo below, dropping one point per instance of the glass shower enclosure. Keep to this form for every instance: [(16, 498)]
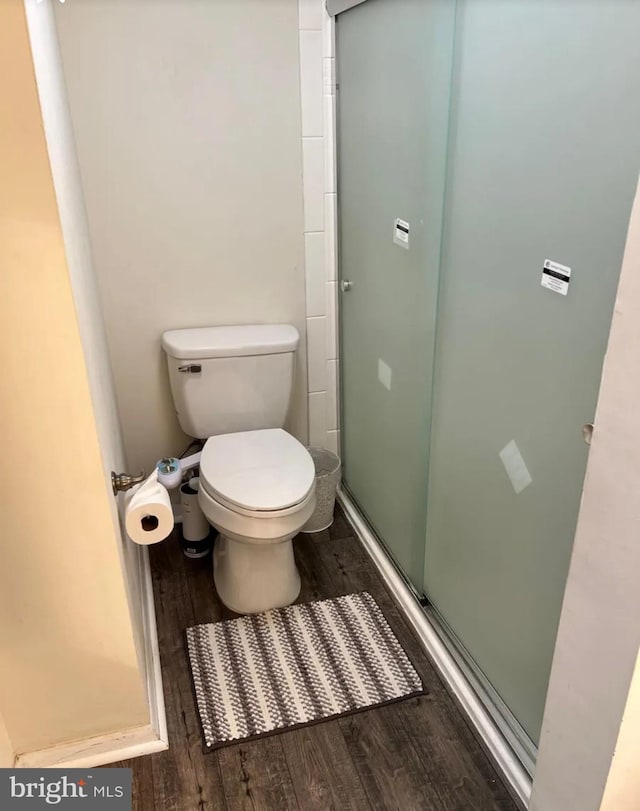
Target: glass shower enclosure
[(488, 152)]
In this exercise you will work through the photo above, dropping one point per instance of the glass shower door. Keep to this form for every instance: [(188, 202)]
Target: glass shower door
[(394, 63), (543, 157), (536, 120)]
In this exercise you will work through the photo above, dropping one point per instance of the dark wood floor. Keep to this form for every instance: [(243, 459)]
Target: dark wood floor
[(415, 754)]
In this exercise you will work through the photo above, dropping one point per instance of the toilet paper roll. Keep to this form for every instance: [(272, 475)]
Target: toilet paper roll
[(148, 516)]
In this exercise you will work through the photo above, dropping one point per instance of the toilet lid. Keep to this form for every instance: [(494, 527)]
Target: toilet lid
[(257, 470)]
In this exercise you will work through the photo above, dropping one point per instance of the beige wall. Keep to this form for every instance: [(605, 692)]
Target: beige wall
[(622, 791), (7, 755), (69, 667), (187, 125), (599, 633)]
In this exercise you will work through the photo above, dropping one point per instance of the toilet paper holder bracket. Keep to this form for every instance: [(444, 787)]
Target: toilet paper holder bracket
[(124, 481)]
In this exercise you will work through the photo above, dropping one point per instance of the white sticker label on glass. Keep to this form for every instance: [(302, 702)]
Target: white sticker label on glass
[(401, 233), (556, 277)]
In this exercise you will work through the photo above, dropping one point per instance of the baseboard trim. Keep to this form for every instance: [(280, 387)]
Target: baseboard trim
[(515, 776), (97, 751), (155, 692)]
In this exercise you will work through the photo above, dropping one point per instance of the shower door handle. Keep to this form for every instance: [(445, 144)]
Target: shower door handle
[(345, 285)]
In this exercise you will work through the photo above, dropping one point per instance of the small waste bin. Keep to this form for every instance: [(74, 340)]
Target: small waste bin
[(327, 480), (196, 530)]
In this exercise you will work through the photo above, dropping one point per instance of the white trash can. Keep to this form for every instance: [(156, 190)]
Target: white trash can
[(327, 480)]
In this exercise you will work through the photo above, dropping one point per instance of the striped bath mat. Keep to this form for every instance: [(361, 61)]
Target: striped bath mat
[(270, 672)]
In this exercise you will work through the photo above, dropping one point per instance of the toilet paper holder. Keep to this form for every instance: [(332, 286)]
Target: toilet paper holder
[(124, 481)]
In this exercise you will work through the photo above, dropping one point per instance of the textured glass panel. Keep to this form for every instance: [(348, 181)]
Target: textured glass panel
[(394, 66), (543, 162)]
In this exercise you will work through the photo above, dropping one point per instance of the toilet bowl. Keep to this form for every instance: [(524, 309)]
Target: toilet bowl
[(257, 488)]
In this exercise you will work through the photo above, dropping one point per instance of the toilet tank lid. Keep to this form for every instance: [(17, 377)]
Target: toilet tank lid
[(230, 342)]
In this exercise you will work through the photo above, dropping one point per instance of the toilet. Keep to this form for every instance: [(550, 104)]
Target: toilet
[(232, 387)]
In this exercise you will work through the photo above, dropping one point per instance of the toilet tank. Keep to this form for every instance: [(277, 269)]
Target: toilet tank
[(227, 379)]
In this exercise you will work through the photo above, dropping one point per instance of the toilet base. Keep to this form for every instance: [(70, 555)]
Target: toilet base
[(255, 577)]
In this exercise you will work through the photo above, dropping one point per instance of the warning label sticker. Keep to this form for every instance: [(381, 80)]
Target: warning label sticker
[(556, 277), (401, 233)]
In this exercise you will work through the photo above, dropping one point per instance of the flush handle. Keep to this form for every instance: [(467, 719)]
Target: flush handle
[(346, 285), (191, 368)]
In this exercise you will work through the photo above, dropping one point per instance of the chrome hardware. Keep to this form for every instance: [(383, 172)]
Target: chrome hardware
[(587, 432), (168, 464), (123, 481), (345, 285), (190, 368)]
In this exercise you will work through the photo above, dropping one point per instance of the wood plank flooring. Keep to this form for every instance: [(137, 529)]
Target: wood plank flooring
[(416, 754)]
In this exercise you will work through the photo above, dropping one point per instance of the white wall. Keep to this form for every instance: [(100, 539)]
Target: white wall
[(187, 124), (599, 633)]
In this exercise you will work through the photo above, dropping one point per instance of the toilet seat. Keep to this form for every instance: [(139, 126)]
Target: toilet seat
[(266, 472), (234, 508)]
